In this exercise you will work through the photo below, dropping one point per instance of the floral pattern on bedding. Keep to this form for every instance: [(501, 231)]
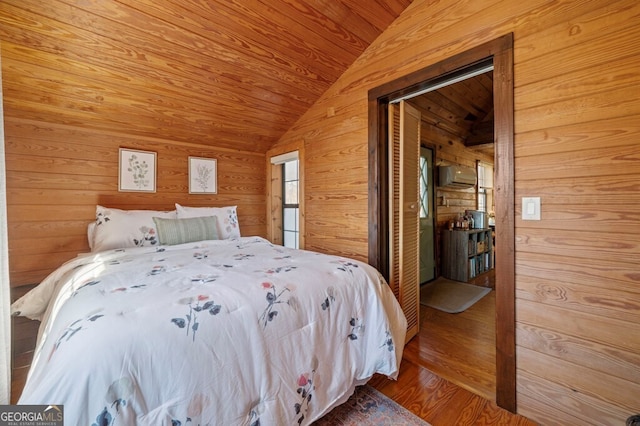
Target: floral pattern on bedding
[(215, 332), (306, 388), (388, 342), (346, 265), (274, 298), (87, 284), (197, 405), (146, 234), (117, 394), (326, 303), (72, 329), (357, 328), (190, 320)]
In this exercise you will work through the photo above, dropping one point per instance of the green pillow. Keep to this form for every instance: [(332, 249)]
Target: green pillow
[(179, 231)]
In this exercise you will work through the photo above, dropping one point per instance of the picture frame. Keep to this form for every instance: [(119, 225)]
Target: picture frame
[(203, 175), (137, 171)]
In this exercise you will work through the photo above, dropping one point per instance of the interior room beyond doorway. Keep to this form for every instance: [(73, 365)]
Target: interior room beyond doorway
[(457, 127), (500, 53)]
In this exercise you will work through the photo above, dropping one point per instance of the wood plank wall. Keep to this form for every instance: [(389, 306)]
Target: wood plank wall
[(577, 115), (576, 122), (57, 174), (81, 81), (449, 148)]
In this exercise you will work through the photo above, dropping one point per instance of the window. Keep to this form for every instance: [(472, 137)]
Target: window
[(482, 192), (290, 204), (485, 187), (424, 187), (285, 198)]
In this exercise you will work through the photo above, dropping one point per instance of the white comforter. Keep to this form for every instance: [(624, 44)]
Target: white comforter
[(238, 332)]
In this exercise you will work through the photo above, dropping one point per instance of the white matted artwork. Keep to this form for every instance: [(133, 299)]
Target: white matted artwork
[(202, 176), (137, 171)]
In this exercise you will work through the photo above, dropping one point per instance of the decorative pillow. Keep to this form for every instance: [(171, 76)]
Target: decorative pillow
[(227, 218), (180, 231), (117, 228)]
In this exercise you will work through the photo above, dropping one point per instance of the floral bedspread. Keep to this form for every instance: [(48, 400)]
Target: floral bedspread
[(231, 332)]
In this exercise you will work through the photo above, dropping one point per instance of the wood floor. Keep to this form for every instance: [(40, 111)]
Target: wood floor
[(447, 375), (23, 341), (459, 347)]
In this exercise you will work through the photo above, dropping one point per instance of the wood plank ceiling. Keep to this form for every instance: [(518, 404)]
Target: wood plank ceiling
[(462, 111), (235, 73)]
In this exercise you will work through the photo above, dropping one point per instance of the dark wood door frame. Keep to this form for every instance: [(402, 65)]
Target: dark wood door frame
[(500, 52)]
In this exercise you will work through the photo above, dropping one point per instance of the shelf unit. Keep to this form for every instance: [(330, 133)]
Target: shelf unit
[(466, 254)]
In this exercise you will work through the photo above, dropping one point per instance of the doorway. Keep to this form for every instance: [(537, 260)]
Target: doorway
[(500, 53)]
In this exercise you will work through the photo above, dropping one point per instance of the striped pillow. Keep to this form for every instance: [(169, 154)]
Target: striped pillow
[(179, 231)]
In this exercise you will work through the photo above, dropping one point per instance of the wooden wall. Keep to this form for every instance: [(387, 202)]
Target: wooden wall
[(449, 148), (577, 109), (57, 174), (81, 81)]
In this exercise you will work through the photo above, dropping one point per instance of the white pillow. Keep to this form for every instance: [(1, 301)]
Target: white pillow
[(227, 218), (91, 233), (117, 228)]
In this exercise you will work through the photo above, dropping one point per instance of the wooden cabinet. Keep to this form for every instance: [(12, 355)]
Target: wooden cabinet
[(466, 254)]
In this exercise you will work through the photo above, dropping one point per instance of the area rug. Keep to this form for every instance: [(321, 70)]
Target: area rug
[(451, 296), (369, 407)]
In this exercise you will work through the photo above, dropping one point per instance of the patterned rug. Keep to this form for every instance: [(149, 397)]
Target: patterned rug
[(367, 406)]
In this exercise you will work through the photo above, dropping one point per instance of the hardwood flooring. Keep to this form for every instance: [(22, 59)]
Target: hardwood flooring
[(459, 347), (23, 341), (447, 375), (441, 402)]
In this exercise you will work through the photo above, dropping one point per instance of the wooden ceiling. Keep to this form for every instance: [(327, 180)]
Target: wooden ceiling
[(461, 111), (234, 73)]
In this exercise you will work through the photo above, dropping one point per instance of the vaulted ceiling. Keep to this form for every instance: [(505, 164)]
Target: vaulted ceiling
[(235, 73)]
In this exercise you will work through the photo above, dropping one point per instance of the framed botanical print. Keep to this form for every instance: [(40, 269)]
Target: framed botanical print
[(137, 171), (202, 175)]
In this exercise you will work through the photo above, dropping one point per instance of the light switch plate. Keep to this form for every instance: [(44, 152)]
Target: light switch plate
[(530, 208)]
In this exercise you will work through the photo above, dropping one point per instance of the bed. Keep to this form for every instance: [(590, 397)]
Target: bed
[(176, 319)]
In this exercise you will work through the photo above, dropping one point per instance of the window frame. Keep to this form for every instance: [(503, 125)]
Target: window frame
[(484, 189), (275, 159), (287, 205)]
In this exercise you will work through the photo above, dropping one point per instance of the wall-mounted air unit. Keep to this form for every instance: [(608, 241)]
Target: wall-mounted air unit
[(457, 176)]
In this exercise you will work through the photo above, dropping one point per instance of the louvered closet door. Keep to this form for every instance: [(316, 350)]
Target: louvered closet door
[(404, 123)]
